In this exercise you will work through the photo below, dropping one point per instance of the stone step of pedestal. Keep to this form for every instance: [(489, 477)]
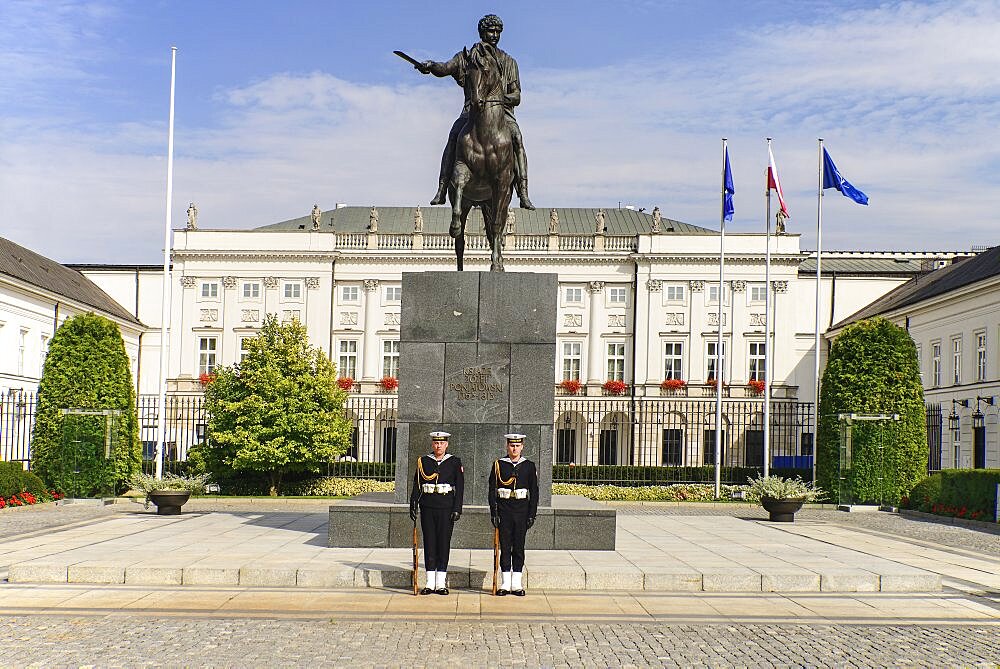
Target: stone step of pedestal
[(609, 577)]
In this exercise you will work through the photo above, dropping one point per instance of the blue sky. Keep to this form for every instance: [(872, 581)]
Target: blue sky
[(282, 105)]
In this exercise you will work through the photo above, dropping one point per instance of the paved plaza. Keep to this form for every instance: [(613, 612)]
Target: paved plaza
[(955, 621)]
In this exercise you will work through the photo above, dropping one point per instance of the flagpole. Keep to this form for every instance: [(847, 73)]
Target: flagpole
[(161, 420), (718, 346), (819, 264), (767, 315)]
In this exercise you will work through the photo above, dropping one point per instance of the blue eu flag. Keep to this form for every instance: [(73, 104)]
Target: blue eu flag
[(832, 179), (727, 203)]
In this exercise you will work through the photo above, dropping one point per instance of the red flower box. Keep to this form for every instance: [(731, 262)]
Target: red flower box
[(756, 387), (673, 384), (571, 386), (615, 387), (345, 383), (388, 383), (205, 378)]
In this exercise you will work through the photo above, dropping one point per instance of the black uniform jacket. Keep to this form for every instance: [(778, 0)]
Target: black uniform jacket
[(514, 476), (448, 470)]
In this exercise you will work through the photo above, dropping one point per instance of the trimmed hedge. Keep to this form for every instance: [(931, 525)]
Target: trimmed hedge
[(15, 479), (962, 493), (637, 476), (333, 486), (683, 492)]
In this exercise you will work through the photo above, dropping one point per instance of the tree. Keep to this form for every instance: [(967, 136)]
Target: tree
[(86, 368), (873, 369), (280, 409)]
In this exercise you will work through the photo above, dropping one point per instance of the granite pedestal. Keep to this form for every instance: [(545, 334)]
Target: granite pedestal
[(477, 360)]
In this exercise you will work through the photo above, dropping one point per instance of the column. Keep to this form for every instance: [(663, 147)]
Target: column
[(369, 351), (595, 361)]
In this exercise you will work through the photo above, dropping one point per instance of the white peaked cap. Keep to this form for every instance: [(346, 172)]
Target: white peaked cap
[(439, 436), (514, 437)]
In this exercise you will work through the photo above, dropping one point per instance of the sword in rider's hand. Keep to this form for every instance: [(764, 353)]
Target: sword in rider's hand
[(413, 61)]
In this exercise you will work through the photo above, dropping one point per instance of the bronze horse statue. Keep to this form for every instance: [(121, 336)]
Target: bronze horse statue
[(483, 174)]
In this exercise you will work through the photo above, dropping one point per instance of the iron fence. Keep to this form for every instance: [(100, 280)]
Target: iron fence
[(17, 418), (935, 426)]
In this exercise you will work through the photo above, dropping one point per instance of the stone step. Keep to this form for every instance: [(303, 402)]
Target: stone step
[(547, 577)]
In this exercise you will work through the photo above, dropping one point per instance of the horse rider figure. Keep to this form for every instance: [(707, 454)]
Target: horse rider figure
[(490, 27)]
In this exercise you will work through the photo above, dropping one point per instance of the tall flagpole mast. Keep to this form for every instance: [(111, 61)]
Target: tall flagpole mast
[(161, 420), (718, 346), (767, 315), (819, 263)]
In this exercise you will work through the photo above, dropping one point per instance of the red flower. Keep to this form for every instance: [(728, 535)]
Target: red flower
[(28, 498), (673, 384), (389, 383), (615, 387), (345, 382), (3, 503), (571, 386), (755, 386), (206, 378), (711, 383)]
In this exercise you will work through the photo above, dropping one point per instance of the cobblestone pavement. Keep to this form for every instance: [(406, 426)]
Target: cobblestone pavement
[(49, 516), (141, 642), (891, 523)]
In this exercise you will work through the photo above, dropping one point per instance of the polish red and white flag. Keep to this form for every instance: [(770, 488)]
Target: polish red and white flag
[(774, 184)]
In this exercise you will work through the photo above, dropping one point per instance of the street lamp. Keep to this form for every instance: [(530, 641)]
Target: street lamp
[(954, 420), (978, 420)]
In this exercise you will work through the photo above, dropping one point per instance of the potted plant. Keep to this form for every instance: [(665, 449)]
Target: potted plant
[(571, 386), (388, 383), (756, 387), (615, 387), (345, 383), (782, 497), (168, 493), (673, 385)]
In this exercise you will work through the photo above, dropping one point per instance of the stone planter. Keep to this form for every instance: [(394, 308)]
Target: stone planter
[(781, 510), (169, 502)]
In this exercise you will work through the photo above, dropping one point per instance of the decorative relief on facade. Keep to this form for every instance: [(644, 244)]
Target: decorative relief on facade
[(391, 318), (779, 286), (713, 318), (250, 315), (188, 281), (371, 285), (654, 285), (616, 320), (271, 282), (312, 282), (349, 318), (209, 315), (739, 286), (595, 286), (573, 321), (291, 315), (757, 319), (697, 286), (229, 281), (675, 318)]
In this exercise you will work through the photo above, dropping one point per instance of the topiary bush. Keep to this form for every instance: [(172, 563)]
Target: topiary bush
[(86, 368), (873, 369), (925, 494), (15, 479)]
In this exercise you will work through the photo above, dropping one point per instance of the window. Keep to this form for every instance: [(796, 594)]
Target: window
[(672, 454), (956, 361), (244, 347), (390, 358), (22, 345), (758, 292), (565, 445), (347, 362), (673, 356), (757, 367), (616, 295), (981, 356), (674, 293), (713, 293), (711, 360), (291, 290), (210, 290), (936, 364), (350, 294), (708, 446), (251, 290), (207, 347), (574, 296), (616, 361), (44, 351), (571, 357), (393, 293)]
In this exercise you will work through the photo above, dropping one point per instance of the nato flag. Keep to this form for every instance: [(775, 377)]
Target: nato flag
[(727, 203), (832, 179)]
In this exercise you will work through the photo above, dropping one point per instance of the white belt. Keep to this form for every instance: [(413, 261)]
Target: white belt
[(440, 488), (507, 493)]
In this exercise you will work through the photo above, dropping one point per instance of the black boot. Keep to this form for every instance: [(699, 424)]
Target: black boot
[(442, 193), (522, 194)]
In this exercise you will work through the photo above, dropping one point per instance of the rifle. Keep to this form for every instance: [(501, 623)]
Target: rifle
[(496, 558), (416, 558), (408, 59)]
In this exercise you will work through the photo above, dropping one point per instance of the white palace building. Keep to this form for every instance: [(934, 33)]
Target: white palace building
[(638, 303)]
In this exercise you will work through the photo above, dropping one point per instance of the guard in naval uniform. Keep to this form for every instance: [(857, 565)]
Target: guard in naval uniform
[(513, 506), (438, 487)]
